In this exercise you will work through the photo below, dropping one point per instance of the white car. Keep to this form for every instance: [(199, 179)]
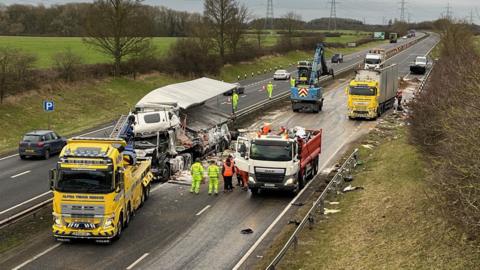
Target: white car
[(281, 74)]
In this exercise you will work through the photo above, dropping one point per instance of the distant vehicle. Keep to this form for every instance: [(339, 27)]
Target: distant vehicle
[(281, 74), (411, 33), (41, 143), (337, 58), (240, 90), (420, 65), (375, 59), (393, 37)]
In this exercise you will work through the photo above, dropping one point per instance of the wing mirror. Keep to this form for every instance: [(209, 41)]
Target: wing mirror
[(52, 175)]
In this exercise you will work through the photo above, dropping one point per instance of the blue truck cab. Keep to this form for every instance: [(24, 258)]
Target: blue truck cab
[(306, 98)]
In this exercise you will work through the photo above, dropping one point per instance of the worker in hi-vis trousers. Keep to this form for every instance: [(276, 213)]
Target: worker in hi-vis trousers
[(213, 176), (197, 176), (270, 89), (234, 101)]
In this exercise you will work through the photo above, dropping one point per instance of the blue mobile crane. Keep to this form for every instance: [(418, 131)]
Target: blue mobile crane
[(307, 94)]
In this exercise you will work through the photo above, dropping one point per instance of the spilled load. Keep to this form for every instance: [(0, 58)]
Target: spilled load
[(173, 125)]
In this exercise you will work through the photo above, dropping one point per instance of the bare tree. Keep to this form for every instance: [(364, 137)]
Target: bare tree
[(260, 34), (291, 22), (67, 63), (220, 14), (118, 28), (236, 28)]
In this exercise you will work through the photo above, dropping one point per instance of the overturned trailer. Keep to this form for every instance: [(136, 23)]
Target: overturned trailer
[(172, 125)]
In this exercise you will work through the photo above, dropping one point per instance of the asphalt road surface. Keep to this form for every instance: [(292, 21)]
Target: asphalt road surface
[(177, 230), (23, 183)]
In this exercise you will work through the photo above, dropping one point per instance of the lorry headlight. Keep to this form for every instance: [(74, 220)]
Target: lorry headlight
[(251, 179), (108, 222), (58, 221), (290, 181)]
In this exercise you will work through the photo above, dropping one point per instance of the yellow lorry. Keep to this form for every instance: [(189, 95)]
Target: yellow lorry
[(372, 92), (97, 185)]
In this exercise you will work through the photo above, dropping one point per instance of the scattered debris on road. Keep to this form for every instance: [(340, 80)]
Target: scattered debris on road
[(246, 231), (351, 188), (327, 211)]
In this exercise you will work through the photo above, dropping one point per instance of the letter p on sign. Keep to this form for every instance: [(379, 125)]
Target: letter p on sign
[(48, 106)]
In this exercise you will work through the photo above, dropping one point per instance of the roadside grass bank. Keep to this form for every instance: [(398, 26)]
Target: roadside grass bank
[(391, 223), (84, 105)]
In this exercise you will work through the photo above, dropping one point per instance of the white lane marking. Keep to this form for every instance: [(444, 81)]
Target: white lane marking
[(7, 157), (137, 261), (37, 256), (20, 174), (203, 210), (25, 202), (259, 240), (15, 155)]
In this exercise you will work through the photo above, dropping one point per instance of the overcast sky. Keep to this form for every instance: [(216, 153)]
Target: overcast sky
[(372, 12)]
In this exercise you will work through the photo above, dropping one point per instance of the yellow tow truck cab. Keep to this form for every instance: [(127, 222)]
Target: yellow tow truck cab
[(97, 185), (372, 92)]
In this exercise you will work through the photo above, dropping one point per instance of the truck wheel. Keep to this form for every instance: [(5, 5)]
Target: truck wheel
[(166, 172), (23, 157), (320, 107), (254, 191), (119, 229), (146, 192), (128, 214), (142, 198), (303, 180)]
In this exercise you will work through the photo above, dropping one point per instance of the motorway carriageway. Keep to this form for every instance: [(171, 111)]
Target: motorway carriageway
[(177, 230), (23, 183)]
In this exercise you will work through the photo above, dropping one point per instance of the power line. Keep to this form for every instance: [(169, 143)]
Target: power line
[(269, 16), (448, 12), (402, 10), (333, 15)]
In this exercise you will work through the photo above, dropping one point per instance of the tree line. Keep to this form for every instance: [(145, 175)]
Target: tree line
[(446, 125), (68, 20)]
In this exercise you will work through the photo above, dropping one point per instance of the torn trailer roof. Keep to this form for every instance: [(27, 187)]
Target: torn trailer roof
[(185, 94), (203, 117)]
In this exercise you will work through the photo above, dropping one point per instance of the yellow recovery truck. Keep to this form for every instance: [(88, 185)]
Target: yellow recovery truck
[(97, 186), (372, 92)]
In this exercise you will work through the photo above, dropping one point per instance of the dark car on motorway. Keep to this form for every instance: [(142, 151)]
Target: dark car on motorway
[(239, 89), (337, 58), (41, 143)]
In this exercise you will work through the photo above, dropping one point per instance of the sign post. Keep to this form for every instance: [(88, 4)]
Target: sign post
[(48, 106)]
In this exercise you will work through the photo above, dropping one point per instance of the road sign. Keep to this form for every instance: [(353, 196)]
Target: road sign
[(48, 105), (379, 35)]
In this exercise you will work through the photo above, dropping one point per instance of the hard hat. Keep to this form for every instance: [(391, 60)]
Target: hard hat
[(198, 160)]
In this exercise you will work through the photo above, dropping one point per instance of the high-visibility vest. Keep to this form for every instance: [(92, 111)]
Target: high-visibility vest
[(213, 172), (197, 171), (270, 87), (228, 170)]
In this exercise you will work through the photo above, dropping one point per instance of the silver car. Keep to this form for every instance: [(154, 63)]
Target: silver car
[(281, 74)]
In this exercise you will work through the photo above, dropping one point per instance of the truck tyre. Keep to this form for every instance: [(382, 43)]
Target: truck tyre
[(321, 106), (142, 198), (128, 214), (146, 192), (166, 173), (23, 157), (254, 191), (302, 180), (119, 229)]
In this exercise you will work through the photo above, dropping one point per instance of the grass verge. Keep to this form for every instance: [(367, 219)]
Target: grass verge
[(391, 224)]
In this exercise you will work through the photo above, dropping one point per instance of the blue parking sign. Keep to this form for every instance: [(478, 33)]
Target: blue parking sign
[(48, 105)]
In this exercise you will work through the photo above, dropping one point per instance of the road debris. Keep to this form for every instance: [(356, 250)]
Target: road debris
[(351, 188), (368, 146), (246, 231), (327, 211), (298, 204)]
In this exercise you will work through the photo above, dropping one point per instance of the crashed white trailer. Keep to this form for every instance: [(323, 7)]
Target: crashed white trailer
[(175, 126)]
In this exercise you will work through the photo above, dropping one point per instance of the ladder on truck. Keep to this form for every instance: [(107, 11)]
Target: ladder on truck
[(119, 126)]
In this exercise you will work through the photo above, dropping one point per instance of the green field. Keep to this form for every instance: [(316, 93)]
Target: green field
[(45, 47)]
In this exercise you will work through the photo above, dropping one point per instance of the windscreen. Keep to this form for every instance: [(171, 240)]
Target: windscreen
[(32, 138), (363, 91), (372, 61), (87, 181), (271, 151)]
